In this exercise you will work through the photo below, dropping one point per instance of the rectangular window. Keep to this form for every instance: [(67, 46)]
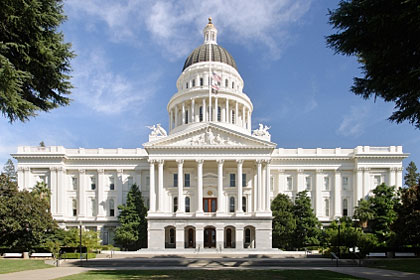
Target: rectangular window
[(308, 183), (111, 184), (327, 183), (186, 117), (219, 114), (345, 183), (92, 183), (193, 83), (290, 183), (244, 183), (232, 180), (201, 82), (187, 179), (74, 183), (210, 204), (176, 180)]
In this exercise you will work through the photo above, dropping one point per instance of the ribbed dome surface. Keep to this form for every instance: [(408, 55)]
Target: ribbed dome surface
[(218, 54)]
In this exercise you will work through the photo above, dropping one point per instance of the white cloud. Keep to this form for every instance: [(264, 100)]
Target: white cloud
[(99, 88), (175, 25)]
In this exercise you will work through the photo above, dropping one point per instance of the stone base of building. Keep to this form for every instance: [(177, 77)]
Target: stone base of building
[(212, 234)]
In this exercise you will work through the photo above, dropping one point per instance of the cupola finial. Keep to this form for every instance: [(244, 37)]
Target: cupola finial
[(210, 20), (210, 33)]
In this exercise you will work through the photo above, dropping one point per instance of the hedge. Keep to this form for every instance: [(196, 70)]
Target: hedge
[(77, 255)]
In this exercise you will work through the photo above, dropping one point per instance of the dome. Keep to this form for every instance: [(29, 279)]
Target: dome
[(200, 54)]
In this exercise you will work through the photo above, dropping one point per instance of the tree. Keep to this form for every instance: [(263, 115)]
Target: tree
[(132, 232), (407, 225), (42, 192), (383, 204), (25, 221), (363, 212), (344, 238), (7, 186), (308, 228), (9, 170), (411, 177), (385, 37), (284, 222), (34, 60)]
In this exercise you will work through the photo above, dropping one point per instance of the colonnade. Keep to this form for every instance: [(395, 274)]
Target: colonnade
[(260, 190)]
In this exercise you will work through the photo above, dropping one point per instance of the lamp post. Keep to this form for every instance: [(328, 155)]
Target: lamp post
[(339, 237), (80, 239)]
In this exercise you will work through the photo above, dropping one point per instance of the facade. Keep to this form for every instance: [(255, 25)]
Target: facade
[(209, 182)]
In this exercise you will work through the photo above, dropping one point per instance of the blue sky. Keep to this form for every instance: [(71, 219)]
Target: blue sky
[(130, 54)]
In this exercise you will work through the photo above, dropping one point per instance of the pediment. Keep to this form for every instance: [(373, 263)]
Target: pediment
[(209, 136)]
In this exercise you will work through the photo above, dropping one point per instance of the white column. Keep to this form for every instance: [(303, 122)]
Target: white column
[(181, 200), (61, 198), (204, 110), (27, 181), (236, 113), (81, 195), (152, 191), (391, 176), (399, 177), (254, 190), (267, 190), (239, 186), (281, 181), (337, 194), (358, 188), (180, 236), (249, 119), (160, 186), (193, 110), (176, 115), (259, 185), (366, 181), (100, 190), (53, 188), (171, 120), (300, 181), (239, 238), (215, 109), (227, 111), (223, 114), (243, 116), (199, 186), (318, 193), (119, 187), (220, 200), (183, 112)]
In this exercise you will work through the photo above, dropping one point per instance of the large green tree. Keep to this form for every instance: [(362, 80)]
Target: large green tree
[(9, 170), (25, 221), (284, 222), (132, 232), (363, 212), (385, 37), (411, 177), (34, 60), (308, 228)]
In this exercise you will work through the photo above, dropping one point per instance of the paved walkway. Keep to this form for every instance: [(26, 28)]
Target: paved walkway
[(57, 272)]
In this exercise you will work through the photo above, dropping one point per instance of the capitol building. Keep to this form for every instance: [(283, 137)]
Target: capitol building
[(209, 179)]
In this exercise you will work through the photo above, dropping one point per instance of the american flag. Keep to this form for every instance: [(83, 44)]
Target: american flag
[(216, 82)]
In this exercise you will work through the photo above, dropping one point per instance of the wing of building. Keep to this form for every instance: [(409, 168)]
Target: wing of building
[(209, 182)]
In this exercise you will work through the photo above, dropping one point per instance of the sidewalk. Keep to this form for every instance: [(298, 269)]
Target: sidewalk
[(46, 273)]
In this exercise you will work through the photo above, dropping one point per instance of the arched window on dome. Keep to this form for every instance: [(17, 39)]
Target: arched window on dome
[(193, 83), (233, 85), (186, 85), (201, 114), (226, 83), (201, 82), (219, 114), (186, 116), (233, 116)]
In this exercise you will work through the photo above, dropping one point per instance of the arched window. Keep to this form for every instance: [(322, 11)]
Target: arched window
[(186, 116), (345, 207), (327, 207), (187, 204), (233, 116), (201, 82), (219, 114), (226, 83), (111, 208), (232, 204), (201, 113), (74, 207), (244, 203), (247, 235), (233, 85), (175, 204), (171, 236), (186, 85)]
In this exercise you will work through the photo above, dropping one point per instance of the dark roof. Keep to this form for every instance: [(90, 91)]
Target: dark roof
[(218, 54)]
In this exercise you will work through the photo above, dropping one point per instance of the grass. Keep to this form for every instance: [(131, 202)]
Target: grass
[(210, 274), (7, 266), (406, 265)]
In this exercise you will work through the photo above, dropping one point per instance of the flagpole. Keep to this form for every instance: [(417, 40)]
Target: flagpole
[(210, 85)]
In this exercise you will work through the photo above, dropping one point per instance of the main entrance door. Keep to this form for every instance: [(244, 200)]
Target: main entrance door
[(209, 238)]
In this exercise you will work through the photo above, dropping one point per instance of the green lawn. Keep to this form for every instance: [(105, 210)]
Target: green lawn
[(407, 265), (7, 266), (210, 274)]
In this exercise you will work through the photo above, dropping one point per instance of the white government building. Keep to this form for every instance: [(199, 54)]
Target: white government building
[(210, 181)]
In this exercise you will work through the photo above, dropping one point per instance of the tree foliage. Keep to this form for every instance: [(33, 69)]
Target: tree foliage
[(9, 170), (411, 177), (363, 212), (132, 232), (284, 222), (25, 220), (42, 192), (385, 37), (34, 60), (308, 228)]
